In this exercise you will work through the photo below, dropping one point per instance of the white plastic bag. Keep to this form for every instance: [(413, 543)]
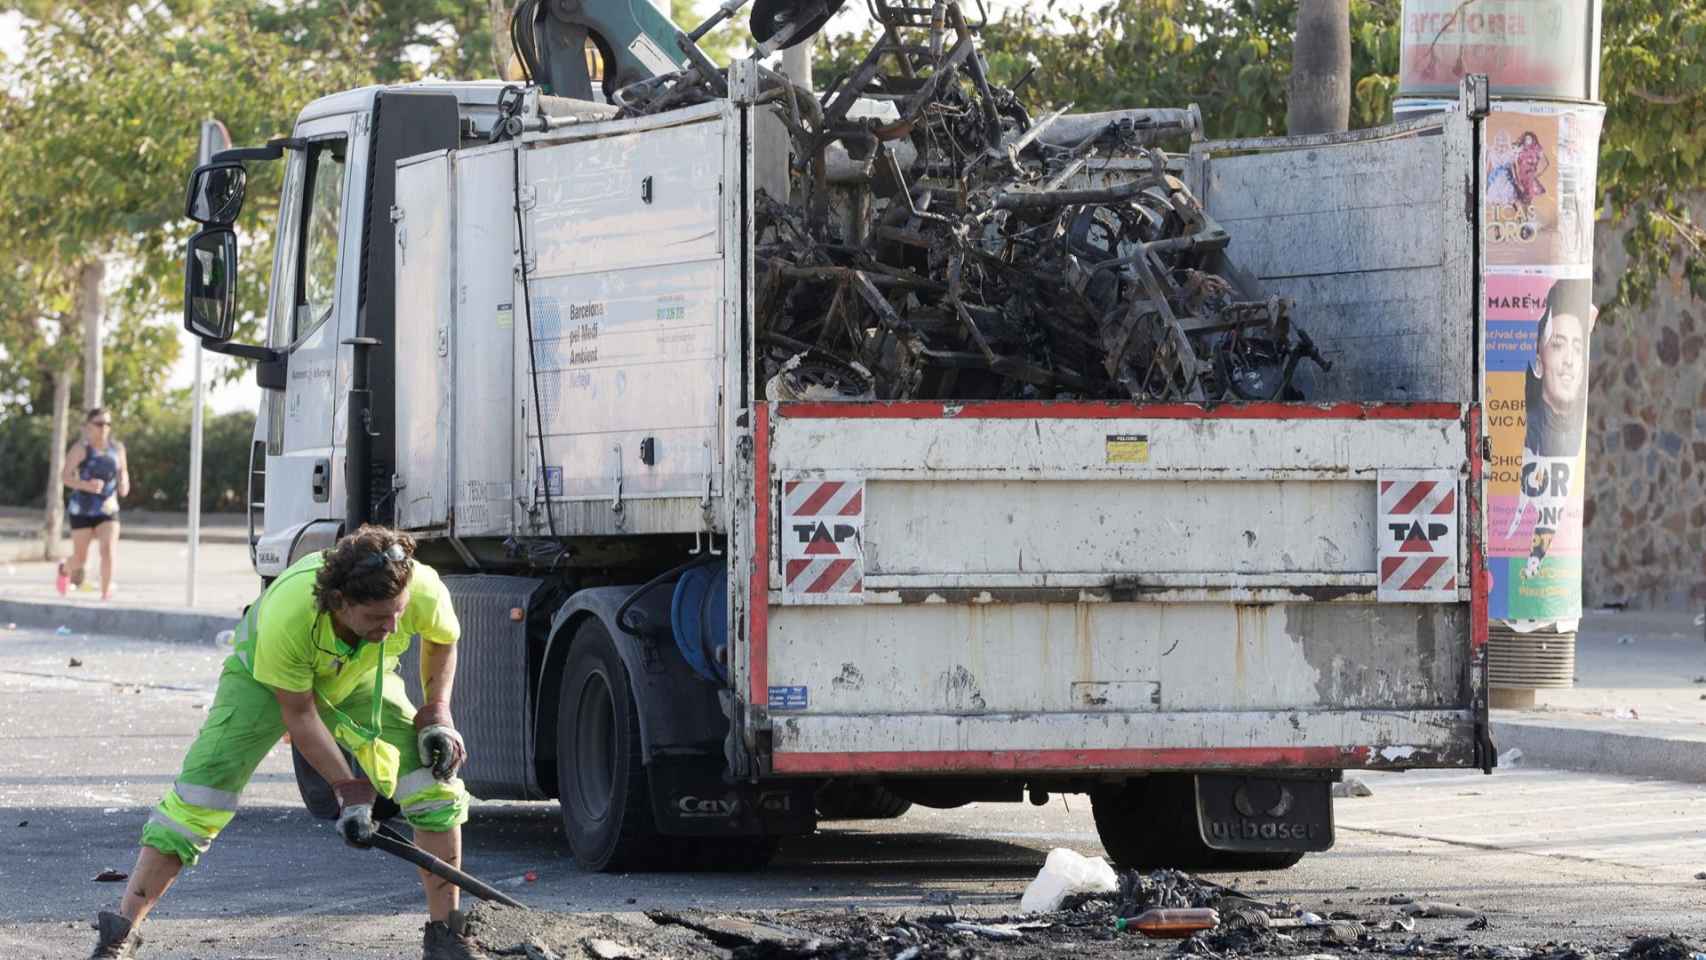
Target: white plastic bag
[(1066, 872)]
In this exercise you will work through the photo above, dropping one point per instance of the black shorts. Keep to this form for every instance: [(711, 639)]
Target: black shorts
[(89, 523)]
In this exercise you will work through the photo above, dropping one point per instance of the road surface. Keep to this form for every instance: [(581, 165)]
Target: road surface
[(85, 750)]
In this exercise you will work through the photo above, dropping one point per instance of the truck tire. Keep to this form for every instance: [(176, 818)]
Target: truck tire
[(316, 793), (318, 797), (1151, 822), (601, 774), (848, 800)]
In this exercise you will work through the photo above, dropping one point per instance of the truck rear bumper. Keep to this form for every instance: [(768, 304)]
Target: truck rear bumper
[(1125, 743)]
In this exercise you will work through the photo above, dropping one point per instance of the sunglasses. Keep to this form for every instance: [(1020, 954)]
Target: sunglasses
[(100, 423), (373, 561)]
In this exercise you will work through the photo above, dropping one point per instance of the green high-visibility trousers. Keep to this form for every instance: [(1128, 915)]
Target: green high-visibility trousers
[(243, 725)]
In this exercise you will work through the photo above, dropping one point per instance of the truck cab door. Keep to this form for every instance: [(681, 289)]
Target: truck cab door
[(311, 309)]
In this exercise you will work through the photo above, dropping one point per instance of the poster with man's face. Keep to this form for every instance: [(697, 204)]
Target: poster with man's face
[(1538, 329)]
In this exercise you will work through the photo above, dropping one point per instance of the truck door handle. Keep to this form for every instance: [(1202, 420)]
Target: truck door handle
[(322, 482)]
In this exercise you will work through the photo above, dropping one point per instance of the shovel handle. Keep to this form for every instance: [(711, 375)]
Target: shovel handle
[(393, 843)]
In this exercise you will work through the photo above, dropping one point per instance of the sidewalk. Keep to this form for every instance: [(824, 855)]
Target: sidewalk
[(149, 596), (1638, 707)]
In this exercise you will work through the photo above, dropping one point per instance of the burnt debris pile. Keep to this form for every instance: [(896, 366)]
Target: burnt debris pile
[(937, 241)]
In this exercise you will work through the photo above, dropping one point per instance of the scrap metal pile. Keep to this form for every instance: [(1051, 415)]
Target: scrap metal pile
[(938, 242)]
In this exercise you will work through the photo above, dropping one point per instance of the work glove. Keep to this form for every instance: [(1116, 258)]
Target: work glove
[(440, 745), (355, 810)]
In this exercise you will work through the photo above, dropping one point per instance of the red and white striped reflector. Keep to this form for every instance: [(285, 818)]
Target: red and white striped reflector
[(1418, 536), (823, 526)]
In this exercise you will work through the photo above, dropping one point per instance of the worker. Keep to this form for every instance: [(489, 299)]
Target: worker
[(316, 656)]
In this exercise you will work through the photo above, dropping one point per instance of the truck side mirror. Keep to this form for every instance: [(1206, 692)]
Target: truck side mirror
[(210, 284), (216, 193)]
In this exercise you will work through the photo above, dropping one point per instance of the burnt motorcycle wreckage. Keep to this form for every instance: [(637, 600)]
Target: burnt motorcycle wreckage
[(939, 243)]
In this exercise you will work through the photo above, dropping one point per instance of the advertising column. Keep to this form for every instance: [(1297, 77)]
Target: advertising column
[(1539, 151)]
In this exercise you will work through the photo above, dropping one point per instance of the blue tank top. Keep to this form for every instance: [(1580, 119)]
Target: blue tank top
[(99, 465)]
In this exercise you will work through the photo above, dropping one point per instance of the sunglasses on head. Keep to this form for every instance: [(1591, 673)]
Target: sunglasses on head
[(373, 561)]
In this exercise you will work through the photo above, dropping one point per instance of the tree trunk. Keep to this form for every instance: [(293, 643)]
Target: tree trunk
[(91, 308), (502, 50), (1319, 100), (53, 521)]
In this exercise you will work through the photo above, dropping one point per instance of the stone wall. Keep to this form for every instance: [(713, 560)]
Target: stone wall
[(1644, 536)]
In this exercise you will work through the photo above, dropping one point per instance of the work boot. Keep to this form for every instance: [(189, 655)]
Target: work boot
[(117, 940), (449, 940)]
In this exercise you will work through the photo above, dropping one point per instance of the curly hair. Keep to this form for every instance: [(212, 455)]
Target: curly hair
[(374, 563)]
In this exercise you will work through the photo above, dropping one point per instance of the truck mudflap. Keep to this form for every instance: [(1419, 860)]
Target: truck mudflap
[(1264, 814), (1008, 587), (692, 797)]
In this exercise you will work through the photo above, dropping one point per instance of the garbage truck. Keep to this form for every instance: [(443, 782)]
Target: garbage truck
[(701, 615)]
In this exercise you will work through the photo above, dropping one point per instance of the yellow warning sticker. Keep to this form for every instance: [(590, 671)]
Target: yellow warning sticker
[(1128, 448)]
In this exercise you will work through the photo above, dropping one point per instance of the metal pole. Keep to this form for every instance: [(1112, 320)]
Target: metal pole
[(797, 63), (213, 139)]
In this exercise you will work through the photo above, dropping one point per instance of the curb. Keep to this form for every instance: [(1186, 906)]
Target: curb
[(1601, 751), (173, 626)]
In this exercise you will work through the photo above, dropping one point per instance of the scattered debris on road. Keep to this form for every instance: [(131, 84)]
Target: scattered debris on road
[(1352, 787), (1097, 925), (75, 662), (1067, 872), (109, 875)]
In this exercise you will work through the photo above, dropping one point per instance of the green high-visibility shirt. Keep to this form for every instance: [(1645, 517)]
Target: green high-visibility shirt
[(287, 642)]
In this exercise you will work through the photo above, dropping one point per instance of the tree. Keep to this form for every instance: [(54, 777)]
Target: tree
[(102, 114), (1320, 89)]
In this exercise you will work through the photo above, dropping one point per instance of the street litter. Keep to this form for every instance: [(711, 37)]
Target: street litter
[(1427, 909), (1511, 757), (1626, 713), (109, 875), (1067, 872), (609, 950), (1170, 924), (997, 931), (1352, 787), (63, 631)]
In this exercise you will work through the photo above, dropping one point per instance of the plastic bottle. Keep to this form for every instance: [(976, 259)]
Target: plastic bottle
[(1170, 924)]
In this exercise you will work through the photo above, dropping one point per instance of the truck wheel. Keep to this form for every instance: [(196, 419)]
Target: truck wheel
[(1151, 822), (601, 774), (845, 800), (317, 794)]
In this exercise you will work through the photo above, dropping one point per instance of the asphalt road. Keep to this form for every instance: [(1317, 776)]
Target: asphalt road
[(84, 751)]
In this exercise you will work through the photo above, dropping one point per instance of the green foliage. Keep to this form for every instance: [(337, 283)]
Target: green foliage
[(723, 44), (1652, 156), (157, 443), (104, 112)]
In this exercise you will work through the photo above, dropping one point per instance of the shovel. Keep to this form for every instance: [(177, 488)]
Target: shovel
[(394, 843)]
